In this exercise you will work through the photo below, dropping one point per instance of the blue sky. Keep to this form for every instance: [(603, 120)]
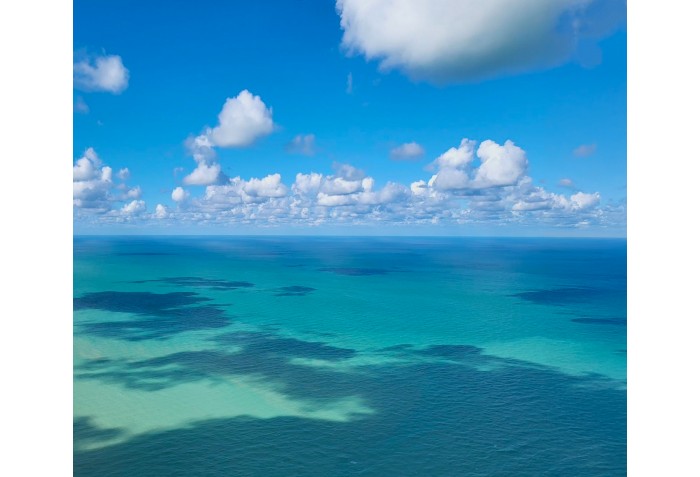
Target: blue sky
[(352, 81)]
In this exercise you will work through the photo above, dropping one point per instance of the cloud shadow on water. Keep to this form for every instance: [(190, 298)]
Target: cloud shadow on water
[(435, 414), (569, 295), (294, 290), (199, 282), (355, 272), (156, 315)]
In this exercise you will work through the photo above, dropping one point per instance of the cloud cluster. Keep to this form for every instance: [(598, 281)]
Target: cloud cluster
[(242, 120), (456, 40), (500, 166), (95, 191), (100, 73), (472, 183)]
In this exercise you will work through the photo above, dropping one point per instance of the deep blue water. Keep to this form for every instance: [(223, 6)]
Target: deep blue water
[(298, 356)]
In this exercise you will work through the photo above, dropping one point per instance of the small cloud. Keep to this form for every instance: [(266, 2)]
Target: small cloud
[(585, 150), (101, 73), (410, 151), (567, 183), (161, 211), (124, 173), (81, 106), (302, 144), (348, 87), (179, 194)]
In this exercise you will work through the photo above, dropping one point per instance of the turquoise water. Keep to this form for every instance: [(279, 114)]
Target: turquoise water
[(349, 356)]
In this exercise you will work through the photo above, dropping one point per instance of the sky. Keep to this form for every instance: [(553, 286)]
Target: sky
[(411, 117)]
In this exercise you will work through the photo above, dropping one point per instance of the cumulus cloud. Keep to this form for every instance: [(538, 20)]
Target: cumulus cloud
[(456, 40), (93, 188), (242, 120), (134, 207), (270, 186), (179, 194), (124, 174), (500, 166), (302, 144), (100, 73), (161, 211), (585, 150), (409, 151), (456, 157), (473, 183), (205, 174)]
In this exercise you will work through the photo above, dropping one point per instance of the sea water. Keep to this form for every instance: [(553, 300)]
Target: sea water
[(325, 356)]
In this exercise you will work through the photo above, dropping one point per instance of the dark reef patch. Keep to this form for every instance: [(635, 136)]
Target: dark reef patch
[(199, 282), (294, 290), (85, 431), (602, 321), (355, 272), (564, 296), (429, 418), (158, 315)]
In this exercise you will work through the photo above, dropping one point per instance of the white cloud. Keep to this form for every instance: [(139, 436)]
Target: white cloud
[(409, 151), (450, 178), (242, 120), (134, 193), (457, 40), (456, 157), (93, 188), (585, 150), (124, 174), (348, 85), (500, 165), (302, 144), (134, 207), (493, 190), (101, 73), (161, 211), (582, 201), (205, 174), (270, 186), (179, 194), (307, 184)]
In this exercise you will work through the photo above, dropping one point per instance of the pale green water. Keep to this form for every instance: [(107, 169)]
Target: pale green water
[(146, 363)]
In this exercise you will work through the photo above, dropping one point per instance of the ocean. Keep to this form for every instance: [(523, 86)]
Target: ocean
[(338, 356)]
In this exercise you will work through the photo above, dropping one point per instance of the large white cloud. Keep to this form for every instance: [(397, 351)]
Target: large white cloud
[(455, 40), (101, 73), (242, 120)]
